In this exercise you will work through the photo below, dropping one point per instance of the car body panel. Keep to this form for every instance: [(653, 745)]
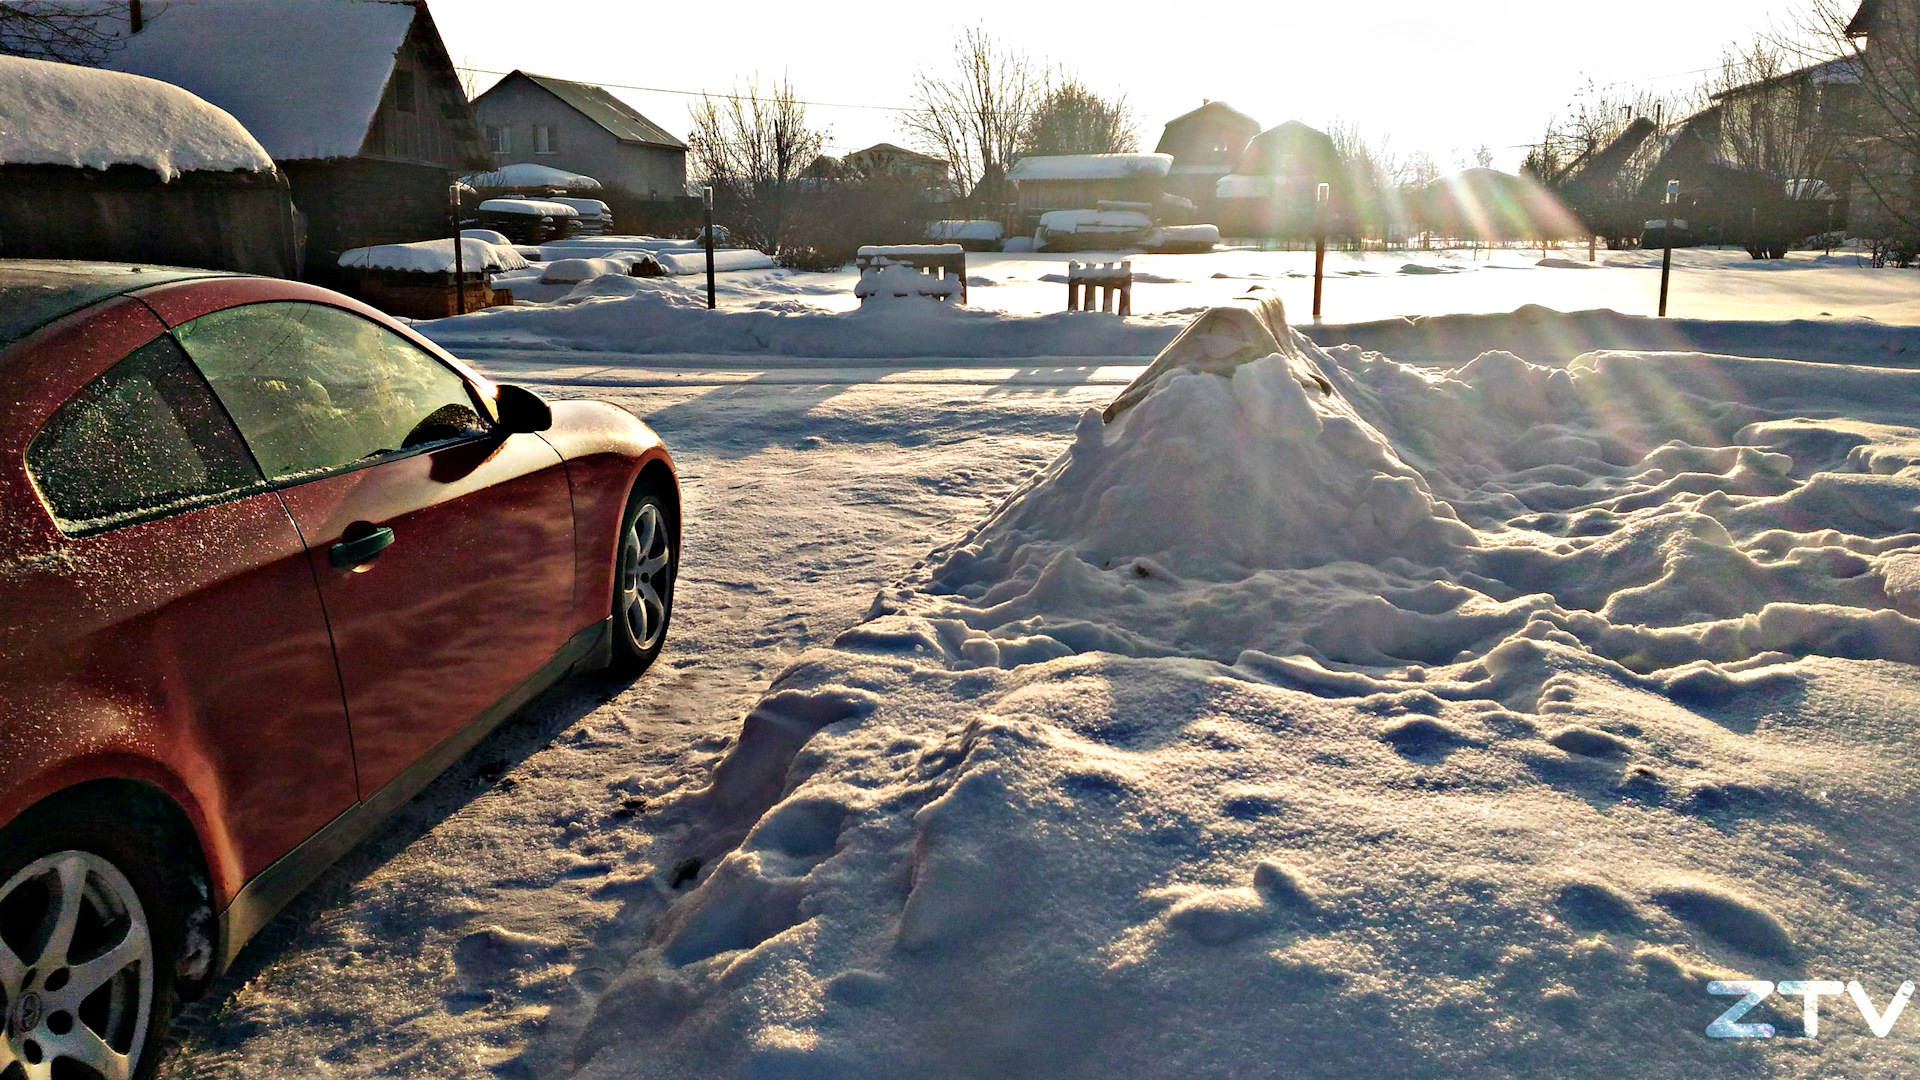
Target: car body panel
[(472, 595)]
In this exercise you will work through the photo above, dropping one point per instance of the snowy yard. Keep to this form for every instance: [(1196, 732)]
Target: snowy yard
[(1342, 716)]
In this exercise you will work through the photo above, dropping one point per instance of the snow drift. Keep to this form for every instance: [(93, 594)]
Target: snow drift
[(1326, 715), (665, 316)]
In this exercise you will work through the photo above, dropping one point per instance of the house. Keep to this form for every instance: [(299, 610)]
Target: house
[(1123, 182), (1885, 183), (582, 128), (356, 100), (897, 163), (1274, 188), (1205, 144), (106, 166)]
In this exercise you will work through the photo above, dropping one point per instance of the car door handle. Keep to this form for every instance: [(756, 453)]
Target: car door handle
[(360, 545)]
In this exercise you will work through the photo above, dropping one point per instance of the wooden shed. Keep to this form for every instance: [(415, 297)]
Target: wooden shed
[(1086, 182), (356, 100), (101, 165)]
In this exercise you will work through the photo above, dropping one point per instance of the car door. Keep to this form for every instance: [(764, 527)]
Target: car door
[(444, 551), (170, 615)]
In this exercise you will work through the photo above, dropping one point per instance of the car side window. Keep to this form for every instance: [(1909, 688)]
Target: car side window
[(315, 388), (143, 438)]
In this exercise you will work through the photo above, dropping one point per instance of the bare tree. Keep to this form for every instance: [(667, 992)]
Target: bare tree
[(753, 146), (1880, 126), (70, 31), (1769, 114), (974, 114), (1069, 118)]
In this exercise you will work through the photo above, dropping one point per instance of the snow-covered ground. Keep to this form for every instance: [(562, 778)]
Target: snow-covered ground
[(1350, 715), (1708, 283)]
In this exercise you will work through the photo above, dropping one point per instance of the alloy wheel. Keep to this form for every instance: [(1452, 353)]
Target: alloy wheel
[(76, 970), (646, 566)]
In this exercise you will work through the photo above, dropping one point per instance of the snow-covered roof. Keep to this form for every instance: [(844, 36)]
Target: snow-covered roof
[(1089, 167), (908, 250), (587, 207), (58, 114), (304, 76), (526, 174), (1094, 221), (434, 257), (529, 207), (964, 230)]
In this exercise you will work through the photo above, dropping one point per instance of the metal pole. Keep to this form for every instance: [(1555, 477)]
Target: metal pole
[(459, 253), (1321, 198), (1829, 228), (712, 294), (1666, 260)]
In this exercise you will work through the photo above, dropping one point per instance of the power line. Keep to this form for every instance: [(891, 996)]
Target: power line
[(705, 93)]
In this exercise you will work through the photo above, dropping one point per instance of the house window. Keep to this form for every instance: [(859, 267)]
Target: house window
[(499, 139), (543, 141), (403, 92)]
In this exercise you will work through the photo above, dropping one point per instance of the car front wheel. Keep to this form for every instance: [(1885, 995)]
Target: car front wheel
[(645, 565)]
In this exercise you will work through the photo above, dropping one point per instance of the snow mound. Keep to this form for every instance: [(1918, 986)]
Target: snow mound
[(575, 271), (1321, 709), (434, 257), (58, 114)]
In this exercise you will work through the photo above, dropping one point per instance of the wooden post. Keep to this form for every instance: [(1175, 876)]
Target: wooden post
[(1593, 248), (1126, 290), (1073, 287), (459, 249), (1107, 289), (1320, 246), (1666, 259), (712, 292)]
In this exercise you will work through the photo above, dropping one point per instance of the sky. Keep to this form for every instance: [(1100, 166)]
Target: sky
[(1444, 77)]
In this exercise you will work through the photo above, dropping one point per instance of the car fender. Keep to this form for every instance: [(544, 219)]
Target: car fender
[(606, 449)]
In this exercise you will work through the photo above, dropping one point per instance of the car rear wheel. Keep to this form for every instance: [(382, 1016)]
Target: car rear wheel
[(645, 564), (84, 921)]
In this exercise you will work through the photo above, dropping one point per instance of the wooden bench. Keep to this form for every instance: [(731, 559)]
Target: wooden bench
[(1110, 278), (944, 266)]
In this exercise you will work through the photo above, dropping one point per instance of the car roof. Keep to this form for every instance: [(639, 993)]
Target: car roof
[(35, 292)]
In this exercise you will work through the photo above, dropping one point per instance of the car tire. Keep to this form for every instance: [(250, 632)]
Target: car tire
[(67, 1000), (646, 560)]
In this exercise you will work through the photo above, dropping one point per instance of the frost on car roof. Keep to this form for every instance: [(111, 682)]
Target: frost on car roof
[(33, 294)]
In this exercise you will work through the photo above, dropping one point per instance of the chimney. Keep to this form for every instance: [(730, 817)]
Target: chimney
[(134, 19)]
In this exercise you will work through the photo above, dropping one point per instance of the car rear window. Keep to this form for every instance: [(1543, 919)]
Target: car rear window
[(145, 439)]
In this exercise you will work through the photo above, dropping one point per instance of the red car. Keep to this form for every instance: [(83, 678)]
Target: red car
[(270, 561)]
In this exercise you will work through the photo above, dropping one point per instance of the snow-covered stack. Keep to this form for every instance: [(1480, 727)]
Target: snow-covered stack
[(596, 218), (1368, 719)]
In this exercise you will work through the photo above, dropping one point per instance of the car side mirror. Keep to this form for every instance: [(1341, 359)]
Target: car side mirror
[(522, 411)]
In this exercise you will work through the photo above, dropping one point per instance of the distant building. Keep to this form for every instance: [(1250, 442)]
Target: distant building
[(896, 162), (1087, 182), (1272, 191), (357, 101), (583, 128), (1205, 145)]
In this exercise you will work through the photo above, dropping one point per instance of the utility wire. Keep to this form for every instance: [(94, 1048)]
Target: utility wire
[(704, 93)]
